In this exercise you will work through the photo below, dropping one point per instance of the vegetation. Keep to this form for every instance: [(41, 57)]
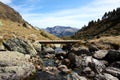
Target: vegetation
[(109, 25)]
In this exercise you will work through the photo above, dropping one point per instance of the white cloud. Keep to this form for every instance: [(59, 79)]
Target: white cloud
[(76, 17), (6, 1)]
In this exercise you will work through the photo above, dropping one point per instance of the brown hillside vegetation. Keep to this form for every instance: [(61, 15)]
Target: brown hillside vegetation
[(13, 25), (109, 25)]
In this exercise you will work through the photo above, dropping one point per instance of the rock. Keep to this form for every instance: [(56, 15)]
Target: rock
[(66, 62), (75, 76), (20, 45), (42, 75), (100, 54), (64, 69), (94, 64), (92, 48), (75, 61), (113, 55), (110, 77), (115, 64), (49, 50), (88, 72), (105, 76), (49, 56), (2, 48), (60, 54), (81, 50), (99, 77), (14, 66), (113, 71), (37, 46)]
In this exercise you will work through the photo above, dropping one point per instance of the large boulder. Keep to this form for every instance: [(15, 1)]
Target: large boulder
[(14, 66), (113, 71), (75, 76), (20, 45), (113, 55), (81, 50), (37, 46), (100, 54), (105, 76)]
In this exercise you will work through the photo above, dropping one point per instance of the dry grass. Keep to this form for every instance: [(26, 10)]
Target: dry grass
[(111, 39), (10, 29)]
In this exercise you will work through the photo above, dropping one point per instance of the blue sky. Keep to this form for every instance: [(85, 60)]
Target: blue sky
[(74, 13)]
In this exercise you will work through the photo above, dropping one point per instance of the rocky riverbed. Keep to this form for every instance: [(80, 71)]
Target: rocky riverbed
[(23, 60)]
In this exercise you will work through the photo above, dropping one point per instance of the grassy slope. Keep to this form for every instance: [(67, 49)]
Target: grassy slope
[(10, 29)]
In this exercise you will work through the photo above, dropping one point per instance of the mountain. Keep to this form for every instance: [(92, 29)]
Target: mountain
[(61, 31), (13, 25), (109, 25)]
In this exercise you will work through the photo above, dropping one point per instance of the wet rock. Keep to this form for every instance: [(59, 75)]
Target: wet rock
[(14, 66), (113, 55), (113, 71), (20, 45), (60, 54), (88, 72), (49, 50), (49, 56), (75, 76), (64, 69), (100, 54), (42, 75), (66, 62)]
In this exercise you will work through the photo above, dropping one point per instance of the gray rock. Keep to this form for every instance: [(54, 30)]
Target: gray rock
[(88, 72), (105, 76), (49, 50), (81, 50), (100, 54), (14, 66), (113, 71), (110, 77), (37, 46), (75, 76), (94, 64), (64, 69), (20, 45)]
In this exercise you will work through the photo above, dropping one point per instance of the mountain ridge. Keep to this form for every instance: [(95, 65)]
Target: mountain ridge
[(61, 31), (109, 25)]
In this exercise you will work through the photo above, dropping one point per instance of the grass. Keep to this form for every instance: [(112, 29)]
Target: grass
[(14, 29)]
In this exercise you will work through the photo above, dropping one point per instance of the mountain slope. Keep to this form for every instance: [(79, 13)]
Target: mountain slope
[(13, 25), (108, 26), (61, 31)]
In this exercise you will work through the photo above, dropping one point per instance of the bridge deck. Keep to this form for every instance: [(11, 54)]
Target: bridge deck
[(59, 41)]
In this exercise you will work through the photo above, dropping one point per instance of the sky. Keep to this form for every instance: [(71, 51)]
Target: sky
[(50, 13)]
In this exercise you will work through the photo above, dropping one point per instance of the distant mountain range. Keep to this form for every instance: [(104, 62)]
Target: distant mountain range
[(61, 31), (109, 25)]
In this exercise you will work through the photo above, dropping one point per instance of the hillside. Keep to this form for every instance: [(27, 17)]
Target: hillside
[(61, 31), (109, 25), (13, 25)]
